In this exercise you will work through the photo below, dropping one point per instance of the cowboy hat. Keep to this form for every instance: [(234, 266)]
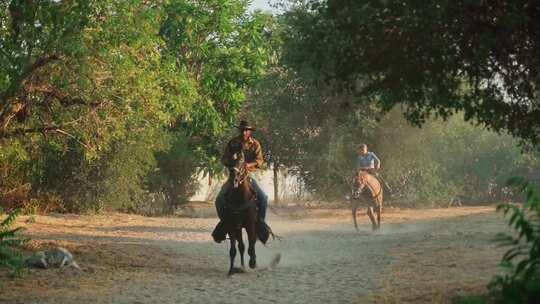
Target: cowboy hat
[(244, 125)]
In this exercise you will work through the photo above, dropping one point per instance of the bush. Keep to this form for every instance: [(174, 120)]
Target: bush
[(175, 178), (8, 239), (65, 178), (522, 261)]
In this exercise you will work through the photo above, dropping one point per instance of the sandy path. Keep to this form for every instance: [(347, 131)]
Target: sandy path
[(428, 256)]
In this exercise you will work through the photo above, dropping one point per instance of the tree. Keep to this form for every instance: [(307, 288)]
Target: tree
[(221, 50), (85, 83), (304, 128), (85, 70), (436, 58), (175, 177)]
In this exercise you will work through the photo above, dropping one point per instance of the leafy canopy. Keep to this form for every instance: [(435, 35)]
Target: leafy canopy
[(435, 57)]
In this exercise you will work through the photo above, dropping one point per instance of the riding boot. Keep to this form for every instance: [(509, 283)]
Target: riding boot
[(260, 226), (219, 234), (260, 218)]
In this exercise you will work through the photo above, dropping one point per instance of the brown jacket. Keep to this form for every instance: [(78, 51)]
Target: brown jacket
[(252, 151)]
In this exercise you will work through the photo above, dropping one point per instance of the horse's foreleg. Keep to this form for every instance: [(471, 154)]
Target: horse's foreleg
[(232, 253), (241, 246), (354, 208), (372, 217), (252, 238)]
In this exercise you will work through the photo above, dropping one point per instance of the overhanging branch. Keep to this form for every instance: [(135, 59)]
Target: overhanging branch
[(41, 130)]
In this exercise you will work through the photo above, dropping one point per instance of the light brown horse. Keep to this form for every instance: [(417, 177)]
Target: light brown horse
[(367, 189)]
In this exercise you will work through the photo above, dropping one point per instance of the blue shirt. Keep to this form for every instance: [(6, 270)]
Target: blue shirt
[(369, 160)]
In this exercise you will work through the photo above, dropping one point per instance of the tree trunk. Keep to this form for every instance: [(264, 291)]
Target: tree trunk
[(276, 183)]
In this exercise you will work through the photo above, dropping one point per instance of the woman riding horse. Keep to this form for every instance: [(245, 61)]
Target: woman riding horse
[(368, 186)]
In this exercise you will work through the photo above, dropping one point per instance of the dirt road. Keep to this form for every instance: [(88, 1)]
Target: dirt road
[(427, 256)]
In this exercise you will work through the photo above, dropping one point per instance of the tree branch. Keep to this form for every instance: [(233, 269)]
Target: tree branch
[(16, 84), (43, 130), (64, 98)]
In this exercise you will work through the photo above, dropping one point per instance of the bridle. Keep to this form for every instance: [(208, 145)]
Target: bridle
[(240, 171), (363, 183)]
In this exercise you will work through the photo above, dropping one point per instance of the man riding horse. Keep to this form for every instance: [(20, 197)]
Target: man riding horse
[(254, 159)]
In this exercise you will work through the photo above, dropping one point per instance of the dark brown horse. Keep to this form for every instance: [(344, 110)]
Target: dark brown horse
[(240, 212), (367, 188)]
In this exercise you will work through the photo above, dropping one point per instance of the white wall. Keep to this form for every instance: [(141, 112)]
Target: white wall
[(264, 178)]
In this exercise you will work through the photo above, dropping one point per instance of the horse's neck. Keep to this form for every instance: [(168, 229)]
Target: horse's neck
[(246, 189), (369, 179), (373, 183), (241, 194)]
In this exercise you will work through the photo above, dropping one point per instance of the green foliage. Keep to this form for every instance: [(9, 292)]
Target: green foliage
[(13, 184), (335, 77), (312, 119), (436, 58), (93, 94), (522, 260), (65, 172), (298, 129), (314, 133), (175, 178), (221, 50), (117, 180), (471, 299), (9, 238), (445, 161)]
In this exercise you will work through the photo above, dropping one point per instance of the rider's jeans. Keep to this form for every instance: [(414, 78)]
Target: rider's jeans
[(262, 199)]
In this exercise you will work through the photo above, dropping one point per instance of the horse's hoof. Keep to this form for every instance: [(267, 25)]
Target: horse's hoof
[(235, 270), (252, 263)]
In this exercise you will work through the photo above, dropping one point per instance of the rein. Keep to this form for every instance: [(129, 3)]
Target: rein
[(243, 179), (368, 185)]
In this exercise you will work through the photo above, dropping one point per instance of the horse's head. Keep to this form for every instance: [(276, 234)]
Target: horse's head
[(238, 171)]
